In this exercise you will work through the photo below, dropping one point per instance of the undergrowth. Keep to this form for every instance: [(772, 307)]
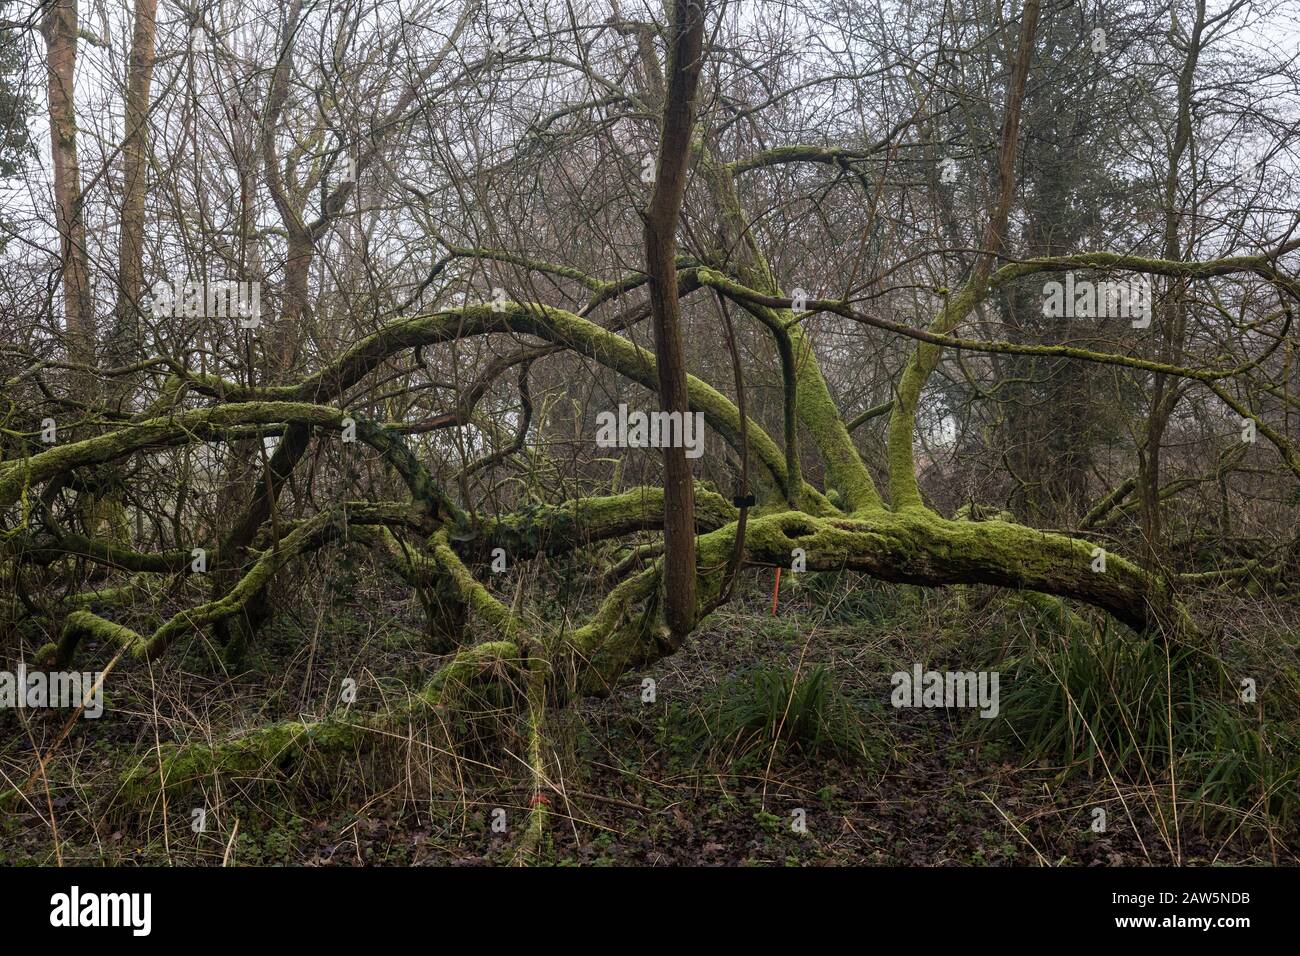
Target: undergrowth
[(1131, 709)]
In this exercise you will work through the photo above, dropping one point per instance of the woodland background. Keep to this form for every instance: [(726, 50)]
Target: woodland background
[(828, 225)]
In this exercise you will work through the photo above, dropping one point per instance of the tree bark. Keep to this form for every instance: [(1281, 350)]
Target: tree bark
[(1165, 395), (59, 28), (684, 60), (125, 343)]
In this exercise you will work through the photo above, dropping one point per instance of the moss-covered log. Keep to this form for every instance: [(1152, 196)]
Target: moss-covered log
[(560, 528), (279, 748)]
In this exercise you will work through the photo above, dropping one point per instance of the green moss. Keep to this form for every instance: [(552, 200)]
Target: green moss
[(81, 624), (903, 489), (278, 747), (821, 416), (816, 408), (496, 614), (558, 528), (194, 425)]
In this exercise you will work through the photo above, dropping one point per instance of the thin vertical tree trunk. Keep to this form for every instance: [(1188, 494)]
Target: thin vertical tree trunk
[(1165, 395), (59, 28), (125, 343), (686, 45)]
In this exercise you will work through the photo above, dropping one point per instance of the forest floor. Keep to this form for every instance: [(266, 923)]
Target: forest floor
[(680, 779)]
